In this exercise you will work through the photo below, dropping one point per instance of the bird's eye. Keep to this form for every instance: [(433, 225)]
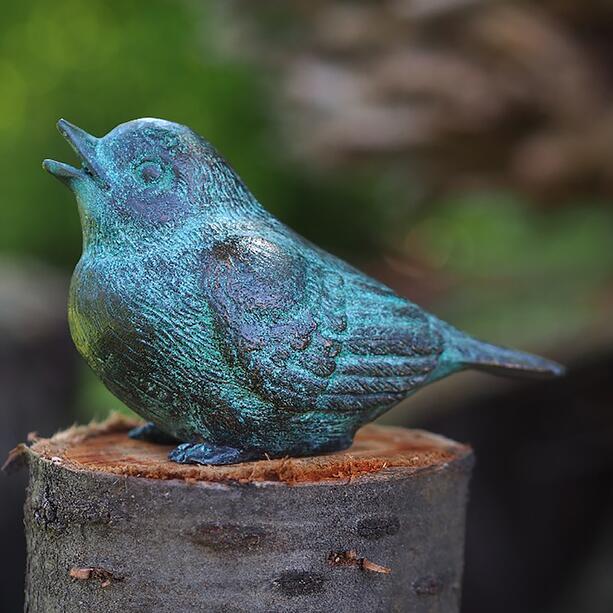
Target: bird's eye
[(150, 172)]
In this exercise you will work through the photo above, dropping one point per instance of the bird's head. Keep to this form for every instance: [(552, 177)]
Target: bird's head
[(146, 180)]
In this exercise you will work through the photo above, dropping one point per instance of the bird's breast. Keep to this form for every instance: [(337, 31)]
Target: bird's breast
[(99, 313), (139, 327)]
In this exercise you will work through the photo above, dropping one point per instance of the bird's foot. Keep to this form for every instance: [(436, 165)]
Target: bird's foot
[(212, 455), (152, 434)]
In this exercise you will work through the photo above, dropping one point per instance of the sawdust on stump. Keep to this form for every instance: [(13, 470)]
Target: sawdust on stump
[(106, 447)]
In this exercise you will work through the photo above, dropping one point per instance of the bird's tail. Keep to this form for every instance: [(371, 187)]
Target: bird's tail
[(464, 351)]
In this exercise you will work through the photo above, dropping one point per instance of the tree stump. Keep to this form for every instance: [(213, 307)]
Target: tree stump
[(112, 525)]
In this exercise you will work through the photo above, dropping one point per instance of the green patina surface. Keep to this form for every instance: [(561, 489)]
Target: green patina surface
[(216, 322)]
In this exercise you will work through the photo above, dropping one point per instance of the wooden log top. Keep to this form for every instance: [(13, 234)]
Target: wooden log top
[(377, 449)]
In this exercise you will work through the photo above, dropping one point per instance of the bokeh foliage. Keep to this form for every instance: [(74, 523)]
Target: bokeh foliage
[(518, 274), (101, 63)]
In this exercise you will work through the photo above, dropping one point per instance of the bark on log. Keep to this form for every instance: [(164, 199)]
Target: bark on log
[(111, 525)]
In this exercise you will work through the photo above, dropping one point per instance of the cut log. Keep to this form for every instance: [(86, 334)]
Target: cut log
[(112, 525)]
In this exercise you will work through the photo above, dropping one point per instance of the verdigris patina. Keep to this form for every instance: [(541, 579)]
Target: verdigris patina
[(222, 327)]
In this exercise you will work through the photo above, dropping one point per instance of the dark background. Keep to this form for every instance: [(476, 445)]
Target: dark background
[(460, 150)]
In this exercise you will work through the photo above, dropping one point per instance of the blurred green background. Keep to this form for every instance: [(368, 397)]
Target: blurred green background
[(460, 151)]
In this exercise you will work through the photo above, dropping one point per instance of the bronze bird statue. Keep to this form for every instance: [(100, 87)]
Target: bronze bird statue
[(230, 333)]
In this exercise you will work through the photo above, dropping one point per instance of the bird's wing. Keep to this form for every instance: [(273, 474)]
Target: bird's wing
[(310, 332)]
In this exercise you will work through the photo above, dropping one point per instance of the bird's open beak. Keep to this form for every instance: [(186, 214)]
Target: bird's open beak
[(84, 145)]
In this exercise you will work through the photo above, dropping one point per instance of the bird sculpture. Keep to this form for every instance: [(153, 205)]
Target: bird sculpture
[(233, 336)]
